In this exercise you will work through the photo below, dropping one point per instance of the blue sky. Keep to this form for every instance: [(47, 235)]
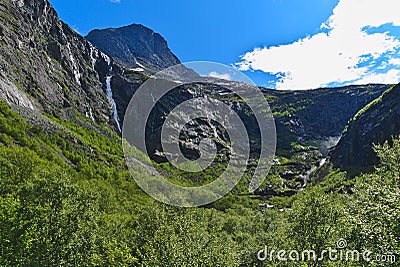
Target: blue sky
[(283, 44)]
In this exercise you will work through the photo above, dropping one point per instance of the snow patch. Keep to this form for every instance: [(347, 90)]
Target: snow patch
[(137, 69), (75, 68), (94, 55)]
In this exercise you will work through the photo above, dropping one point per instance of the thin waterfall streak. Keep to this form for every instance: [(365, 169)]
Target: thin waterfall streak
[(114, 105)]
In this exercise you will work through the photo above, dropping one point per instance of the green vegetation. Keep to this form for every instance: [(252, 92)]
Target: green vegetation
[(67, 199), (290, 109), (372, 103)]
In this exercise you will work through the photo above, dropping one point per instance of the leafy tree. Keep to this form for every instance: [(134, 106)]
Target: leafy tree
[(375, 209)]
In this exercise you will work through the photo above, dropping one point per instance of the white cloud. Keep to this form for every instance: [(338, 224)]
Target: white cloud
[(115, 1), (335, 55), (391, 77), (224, 76), (394, 61)]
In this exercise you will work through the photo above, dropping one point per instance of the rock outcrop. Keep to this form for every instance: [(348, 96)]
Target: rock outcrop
[(136, 46), (376, 123)]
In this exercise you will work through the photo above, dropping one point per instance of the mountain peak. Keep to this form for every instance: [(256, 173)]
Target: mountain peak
[(134, 45)]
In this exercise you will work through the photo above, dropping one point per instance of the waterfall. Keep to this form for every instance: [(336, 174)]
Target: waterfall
[(306, 176), (110, 97)]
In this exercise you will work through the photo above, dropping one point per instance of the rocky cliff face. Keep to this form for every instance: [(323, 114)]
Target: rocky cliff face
[(322, 114), (136, 46), (308, 123), (312, 118), (46, 66), (376, 123)]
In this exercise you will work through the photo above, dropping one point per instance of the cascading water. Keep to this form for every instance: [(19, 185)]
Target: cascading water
[(110, 97), (306, 176)]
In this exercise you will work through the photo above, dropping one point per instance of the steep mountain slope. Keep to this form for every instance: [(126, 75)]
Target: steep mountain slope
[(318, 114), (46, 66), (136, 46), (376, 123), (308, 117)]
